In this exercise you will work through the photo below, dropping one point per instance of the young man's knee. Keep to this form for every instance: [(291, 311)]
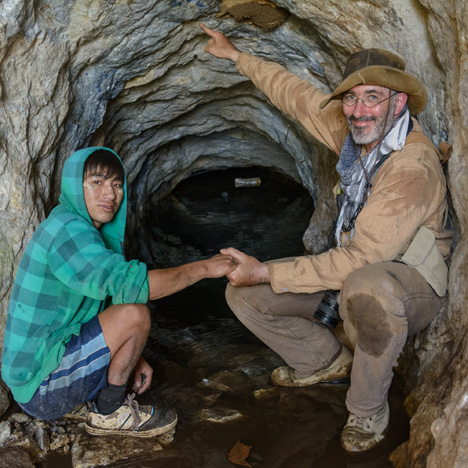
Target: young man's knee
[(137, 315), (133, 318)]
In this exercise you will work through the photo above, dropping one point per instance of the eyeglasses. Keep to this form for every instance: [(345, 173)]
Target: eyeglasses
[(351, 100)]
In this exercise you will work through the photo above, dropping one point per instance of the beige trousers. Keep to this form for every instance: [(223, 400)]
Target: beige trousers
[(380, 304)]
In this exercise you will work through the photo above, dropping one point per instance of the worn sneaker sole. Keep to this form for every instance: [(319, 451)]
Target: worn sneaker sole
[(355, 442), (339, 370), (141, 434)]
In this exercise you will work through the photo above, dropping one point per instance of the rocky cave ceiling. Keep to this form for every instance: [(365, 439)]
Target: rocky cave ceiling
[(133, 76)]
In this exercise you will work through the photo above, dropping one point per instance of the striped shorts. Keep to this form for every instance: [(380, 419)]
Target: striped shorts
[(79, 377)]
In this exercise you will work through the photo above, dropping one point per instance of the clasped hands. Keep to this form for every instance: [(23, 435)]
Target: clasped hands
[(249, 271)]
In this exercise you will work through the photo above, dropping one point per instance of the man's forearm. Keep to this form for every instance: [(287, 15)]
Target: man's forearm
[(171, 280), (168, 281)]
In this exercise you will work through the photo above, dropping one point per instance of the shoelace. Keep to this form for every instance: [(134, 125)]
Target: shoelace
[(134, 410), (361, 423)]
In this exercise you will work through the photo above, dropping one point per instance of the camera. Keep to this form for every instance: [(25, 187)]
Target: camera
[(327, 310)]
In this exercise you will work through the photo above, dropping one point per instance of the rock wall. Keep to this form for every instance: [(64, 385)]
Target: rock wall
[(132, 75)]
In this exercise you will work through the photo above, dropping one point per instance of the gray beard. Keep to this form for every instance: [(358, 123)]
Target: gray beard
[(360, 135), (378, 132)]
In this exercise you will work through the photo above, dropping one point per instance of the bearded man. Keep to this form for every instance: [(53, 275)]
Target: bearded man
[(387, 269)]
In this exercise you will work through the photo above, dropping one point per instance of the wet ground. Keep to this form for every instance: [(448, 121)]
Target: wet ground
[(212, 370)]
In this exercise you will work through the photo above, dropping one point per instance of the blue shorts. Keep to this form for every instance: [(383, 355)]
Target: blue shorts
[(80, 376)]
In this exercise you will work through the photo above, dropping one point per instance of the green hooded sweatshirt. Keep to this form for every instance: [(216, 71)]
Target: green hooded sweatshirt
[(68, 271)]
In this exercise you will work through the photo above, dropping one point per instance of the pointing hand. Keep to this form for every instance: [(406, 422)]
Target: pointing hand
[(219, 45)]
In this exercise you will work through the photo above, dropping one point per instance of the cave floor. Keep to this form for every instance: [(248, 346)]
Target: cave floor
[(216, 375)]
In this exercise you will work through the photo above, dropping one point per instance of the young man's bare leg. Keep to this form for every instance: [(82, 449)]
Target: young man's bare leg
[(125, 328)]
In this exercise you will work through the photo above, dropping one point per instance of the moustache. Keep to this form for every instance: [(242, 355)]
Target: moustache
[(361, 119)]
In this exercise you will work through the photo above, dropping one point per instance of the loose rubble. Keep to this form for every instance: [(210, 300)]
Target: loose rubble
[(25, 438)]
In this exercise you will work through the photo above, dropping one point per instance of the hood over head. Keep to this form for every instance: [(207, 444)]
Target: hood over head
[(72, 197)]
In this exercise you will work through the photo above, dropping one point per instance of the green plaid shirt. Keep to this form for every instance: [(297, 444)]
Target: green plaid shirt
[(68, 271)]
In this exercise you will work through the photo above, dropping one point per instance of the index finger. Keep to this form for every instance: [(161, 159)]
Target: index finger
[(207, 30)]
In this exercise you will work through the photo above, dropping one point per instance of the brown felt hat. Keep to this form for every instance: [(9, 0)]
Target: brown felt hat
[(381, 68)]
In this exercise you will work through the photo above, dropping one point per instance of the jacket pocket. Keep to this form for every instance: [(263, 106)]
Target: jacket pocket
[(425, 257)]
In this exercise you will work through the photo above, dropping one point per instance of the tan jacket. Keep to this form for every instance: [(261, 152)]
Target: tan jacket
[(408, 190)]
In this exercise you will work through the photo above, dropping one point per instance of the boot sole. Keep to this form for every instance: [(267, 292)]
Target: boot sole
[(157, 431), (329, 377), (366, 449)]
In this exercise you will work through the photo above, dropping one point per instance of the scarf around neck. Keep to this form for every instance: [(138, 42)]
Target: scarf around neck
[(354, 184)]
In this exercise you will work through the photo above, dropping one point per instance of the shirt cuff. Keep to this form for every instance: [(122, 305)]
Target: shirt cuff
[(281, 277)]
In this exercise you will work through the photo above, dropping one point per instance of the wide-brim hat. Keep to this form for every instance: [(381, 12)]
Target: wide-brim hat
[(381, 68)]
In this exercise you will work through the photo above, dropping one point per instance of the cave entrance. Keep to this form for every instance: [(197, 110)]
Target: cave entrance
[(207, 212)]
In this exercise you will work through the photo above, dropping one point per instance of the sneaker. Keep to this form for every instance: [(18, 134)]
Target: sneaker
[(132, 419), (80, 413), (362, 434), (339, 369)]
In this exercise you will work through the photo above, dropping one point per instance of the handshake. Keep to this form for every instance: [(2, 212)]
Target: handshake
[(240, 269)]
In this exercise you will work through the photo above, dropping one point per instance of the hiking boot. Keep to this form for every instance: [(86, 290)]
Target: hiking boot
[(132, 419), (80, 413), (362, 434), (341, 368)]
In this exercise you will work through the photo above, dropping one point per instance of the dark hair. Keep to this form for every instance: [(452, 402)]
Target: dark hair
[(104, 162)]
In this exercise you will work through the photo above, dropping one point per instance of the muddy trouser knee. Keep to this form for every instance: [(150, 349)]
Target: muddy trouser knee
[(381, 305), (284, 323)]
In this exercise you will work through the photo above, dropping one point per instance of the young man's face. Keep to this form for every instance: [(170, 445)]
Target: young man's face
[(103, 197), (369, 124)]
